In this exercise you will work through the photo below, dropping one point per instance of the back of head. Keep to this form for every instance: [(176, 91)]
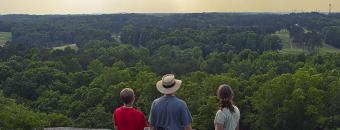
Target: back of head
[(127, 95), (225, 95)]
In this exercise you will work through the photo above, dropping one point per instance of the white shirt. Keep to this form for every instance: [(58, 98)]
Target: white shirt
[(227, 118)]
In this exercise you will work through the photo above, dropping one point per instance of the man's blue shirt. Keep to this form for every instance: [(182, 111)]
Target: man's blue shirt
[(170, 113)]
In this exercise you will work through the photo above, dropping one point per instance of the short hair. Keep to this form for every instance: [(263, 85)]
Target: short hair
[(127, 95)]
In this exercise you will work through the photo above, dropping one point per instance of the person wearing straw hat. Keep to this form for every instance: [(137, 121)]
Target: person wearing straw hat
[(169, 112)]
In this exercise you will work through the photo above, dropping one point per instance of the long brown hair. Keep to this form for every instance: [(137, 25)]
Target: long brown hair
[(226, 94)]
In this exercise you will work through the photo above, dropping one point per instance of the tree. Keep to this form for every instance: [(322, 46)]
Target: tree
[(293, 100), (313, 41), (95, 117), (5, 72), (214, 63), (331, 35), (58, 120), (271, 42), (15, 116)]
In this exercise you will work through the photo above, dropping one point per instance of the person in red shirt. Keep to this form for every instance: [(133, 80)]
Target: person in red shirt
[(128, 117)]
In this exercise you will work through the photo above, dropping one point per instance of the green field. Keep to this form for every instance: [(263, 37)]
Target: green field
[(72, 46), (4, 37), (288, 45)]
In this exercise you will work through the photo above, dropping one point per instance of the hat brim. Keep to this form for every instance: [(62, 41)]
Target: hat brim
[(171, 90)]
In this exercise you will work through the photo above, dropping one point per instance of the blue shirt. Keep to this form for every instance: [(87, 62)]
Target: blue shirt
[(170, 113)]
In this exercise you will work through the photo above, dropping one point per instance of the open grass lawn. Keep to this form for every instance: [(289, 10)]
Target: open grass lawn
[(4, 37), (72, 46), (289, 48)]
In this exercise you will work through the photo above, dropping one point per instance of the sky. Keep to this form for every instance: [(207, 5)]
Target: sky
[(162, 6)]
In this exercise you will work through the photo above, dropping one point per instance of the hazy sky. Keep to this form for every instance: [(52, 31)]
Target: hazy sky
[(161, 6)]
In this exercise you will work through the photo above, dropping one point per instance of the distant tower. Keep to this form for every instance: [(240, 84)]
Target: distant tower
[(330, 8)]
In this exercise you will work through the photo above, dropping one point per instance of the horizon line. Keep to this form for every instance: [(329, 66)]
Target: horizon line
[(254, 12)]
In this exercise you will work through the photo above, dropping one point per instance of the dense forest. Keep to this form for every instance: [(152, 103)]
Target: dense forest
[(45, 82)]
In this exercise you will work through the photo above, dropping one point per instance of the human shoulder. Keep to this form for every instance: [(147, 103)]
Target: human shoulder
[(236, 109), (139, 114), (157, 100), (220, 113), (228, 112), (180, 101), (138, 111), (118, 109)]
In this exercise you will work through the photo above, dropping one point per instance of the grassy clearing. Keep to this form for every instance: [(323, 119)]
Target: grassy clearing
[(329, 49), (289, 48), (287, 44), (72, 46), (116, 37), (4, 37)]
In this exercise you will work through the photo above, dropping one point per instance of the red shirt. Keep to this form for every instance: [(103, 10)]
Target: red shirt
[(129, 119)]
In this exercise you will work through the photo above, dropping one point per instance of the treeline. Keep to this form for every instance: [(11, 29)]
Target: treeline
[(55, 30), (81, 88), (209, 40)]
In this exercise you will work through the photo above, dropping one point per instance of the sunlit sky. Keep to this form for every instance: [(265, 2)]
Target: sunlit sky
[(162, 6)]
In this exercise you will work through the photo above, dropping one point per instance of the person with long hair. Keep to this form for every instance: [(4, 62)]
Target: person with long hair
[(228, 116)]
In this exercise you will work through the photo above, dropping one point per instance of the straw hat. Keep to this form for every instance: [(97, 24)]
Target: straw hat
[(168, 84)]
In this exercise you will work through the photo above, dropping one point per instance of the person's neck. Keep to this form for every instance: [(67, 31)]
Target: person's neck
[(128, 105), (169, 94)]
